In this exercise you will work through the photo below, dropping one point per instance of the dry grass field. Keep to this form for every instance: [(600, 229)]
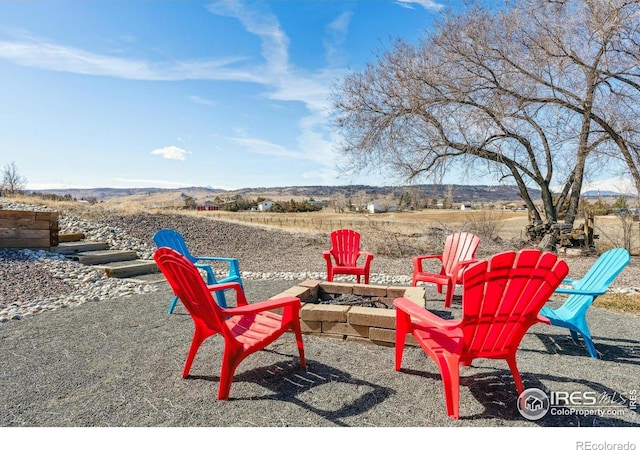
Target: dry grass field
[(396, 234), (506, 225)]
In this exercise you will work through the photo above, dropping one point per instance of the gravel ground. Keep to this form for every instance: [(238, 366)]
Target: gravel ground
[(117, 362)]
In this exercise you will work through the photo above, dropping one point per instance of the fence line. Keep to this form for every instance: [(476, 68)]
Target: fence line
[(318, 224)]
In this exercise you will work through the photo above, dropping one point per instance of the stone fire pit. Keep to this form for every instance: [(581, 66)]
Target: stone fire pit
[(321, 316)]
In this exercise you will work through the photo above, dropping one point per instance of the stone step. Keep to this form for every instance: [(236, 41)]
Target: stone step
[(103, 256), (70, 237), (71, 248), (125, 269)]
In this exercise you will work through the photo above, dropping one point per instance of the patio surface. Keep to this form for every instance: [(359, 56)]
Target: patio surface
[(118, 364)]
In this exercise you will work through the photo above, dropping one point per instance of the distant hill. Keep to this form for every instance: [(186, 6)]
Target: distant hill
[(109, 193), (598, 193), (459, 193)]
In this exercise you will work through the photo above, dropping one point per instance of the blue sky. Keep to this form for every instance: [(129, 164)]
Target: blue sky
[(227, 94)]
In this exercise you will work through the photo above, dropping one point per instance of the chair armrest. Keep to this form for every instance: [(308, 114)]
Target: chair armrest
[(568, 281), (544, 319), (417, 261), (424, 317), (240, 297), (215, 258), (367, 256), (579, 292), (327, 256), (423, 257), (264, 306), (466, 263), (461, 265)]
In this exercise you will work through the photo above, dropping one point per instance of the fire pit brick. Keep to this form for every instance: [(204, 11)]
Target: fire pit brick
[(303, 293), (415, 294), (373, 317), (331, 287), (324, 313), (311, 326), (369, 290), (345, 329), (355, 323), (387, 337)]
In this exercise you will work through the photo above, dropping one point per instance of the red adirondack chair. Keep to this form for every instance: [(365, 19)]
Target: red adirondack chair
[(459, 251), (245, 328), (501, 301), (344, 254)]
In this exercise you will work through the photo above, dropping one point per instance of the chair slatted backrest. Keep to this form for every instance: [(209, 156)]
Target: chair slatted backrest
[(345, 246), (598, 278), (189, 286), (458, 247), (173, 239), (502, 298)]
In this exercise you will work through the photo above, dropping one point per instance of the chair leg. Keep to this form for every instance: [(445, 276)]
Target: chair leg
[(199, 337), (230, 361), (450, 373), (574, 337), (590, 347), (448, 298), (297, 331), (586, 337), (511, 360), (172, 305), (402, 328)]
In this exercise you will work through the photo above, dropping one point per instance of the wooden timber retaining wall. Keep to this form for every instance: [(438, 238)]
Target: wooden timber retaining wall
[(28, 229)]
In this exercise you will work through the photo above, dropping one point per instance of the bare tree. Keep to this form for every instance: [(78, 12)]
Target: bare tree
[(533, 94), (359, 200), (339, 202), (12, 181)]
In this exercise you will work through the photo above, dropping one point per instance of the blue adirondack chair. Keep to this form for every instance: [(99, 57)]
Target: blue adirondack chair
[(573, 312), (173, 239)]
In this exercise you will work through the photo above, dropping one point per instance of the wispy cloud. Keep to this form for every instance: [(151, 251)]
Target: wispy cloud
[(263, 147), (262, 23), (285, 82), (426, 4), (201, 100), (281, 80), (622, 185), (171, 152), (336, 34), (33, 52)]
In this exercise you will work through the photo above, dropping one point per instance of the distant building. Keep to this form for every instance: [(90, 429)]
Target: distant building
[(320, 203), (380, 207), (514, 206), (265, 206), (208, 206), (464, 207)]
